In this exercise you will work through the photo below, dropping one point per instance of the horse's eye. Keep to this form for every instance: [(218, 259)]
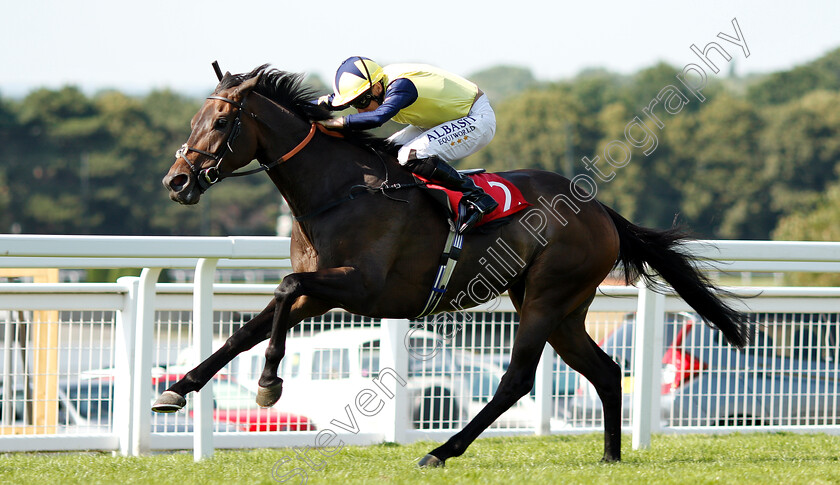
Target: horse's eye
[(221, 123)]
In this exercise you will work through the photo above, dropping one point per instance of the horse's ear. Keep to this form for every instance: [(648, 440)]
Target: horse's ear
[(222, 80), (246, 86)]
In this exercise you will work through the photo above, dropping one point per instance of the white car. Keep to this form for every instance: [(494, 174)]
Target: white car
[(324, 372), (84, 407)]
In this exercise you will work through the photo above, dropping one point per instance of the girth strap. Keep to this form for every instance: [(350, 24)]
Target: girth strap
[(448, 260)]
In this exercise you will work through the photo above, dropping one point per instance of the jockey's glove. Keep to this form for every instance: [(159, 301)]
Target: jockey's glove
[(334, 123), (325, 102)]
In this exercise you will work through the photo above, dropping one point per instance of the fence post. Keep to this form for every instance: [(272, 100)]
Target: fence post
[(144, 340), (545, 374), (205, 271), (394, 355), (647, 362), (7, 399), (124, 355)]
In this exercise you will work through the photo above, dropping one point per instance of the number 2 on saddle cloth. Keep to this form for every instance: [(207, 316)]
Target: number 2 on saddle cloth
[(509, 197)]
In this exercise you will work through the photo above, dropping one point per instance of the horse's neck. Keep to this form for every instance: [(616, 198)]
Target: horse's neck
[(327, 170)]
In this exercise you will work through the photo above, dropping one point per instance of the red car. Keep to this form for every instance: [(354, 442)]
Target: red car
[(235, 405)]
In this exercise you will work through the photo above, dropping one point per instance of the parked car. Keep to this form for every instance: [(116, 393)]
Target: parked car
[(84, 408), (563, 381), (586, 404), (787, 375), (446, 388), (234, 406)]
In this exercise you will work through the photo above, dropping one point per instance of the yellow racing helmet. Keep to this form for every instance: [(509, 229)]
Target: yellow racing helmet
[(353, 78)]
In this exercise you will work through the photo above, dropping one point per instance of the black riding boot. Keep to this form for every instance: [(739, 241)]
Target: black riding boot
[(477, 201)]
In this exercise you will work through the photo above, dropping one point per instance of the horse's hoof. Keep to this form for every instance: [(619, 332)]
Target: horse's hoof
[(169, 402), (268, 396), (431, 461)]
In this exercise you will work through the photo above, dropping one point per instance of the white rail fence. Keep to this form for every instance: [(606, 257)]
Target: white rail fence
[(78, 359)]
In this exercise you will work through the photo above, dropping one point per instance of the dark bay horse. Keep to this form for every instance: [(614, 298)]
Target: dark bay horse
[(376, 255)]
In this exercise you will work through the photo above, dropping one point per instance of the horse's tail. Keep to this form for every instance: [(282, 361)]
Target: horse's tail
[(663, 252)]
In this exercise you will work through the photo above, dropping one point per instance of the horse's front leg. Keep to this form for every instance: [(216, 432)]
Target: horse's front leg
[(250, 334), (310, 293)]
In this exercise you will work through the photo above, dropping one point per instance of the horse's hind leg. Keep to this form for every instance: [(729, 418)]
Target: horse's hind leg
[(582, 354), (536, 324), (250, 334)]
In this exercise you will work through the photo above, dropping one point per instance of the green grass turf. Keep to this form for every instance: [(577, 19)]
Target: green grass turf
[(760, 458)]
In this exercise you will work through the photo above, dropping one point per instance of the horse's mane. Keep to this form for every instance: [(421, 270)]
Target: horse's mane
[(288, 90)]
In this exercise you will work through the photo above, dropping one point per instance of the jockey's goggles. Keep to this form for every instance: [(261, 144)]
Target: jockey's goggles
[(363, 100)]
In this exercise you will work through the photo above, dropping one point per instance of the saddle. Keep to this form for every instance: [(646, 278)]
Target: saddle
[(508, 196)]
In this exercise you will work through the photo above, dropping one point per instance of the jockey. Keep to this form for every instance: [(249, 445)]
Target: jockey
[(448, 117)]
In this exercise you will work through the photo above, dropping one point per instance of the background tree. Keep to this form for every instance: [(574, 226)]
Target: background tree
[(724, 194), (542, 129), (785, 86), (9, 131), (43, 163), (801, 149), (502, 82), (756, 151), (817, 223), (596, 88), (644, 189)]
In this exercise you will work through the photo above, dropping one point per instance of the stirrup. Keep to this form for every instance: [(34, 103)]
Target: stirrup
[(470, 215), (473, 218)]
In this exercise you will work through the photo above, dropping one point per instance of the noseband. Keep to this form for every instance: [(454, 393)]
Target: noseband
[(206, 178)]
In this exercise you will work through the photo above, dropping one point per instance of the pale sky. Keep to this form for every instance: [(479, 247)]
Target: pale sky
[(138, 46)]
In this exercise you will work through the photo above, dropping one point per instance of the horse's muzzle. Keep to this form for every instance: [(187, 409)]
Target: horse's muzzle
[(182, 189)]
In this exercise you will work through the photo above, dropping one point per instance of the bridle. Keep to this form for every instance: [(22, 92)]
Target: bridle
[(207, 177)]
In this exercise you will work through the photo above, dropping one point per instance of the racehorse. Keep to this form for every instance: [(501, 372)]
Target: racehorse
[(365, 239)]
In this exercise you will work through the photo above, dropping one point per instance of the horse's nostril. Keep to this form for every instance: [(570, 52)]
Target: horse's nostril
[(178, 182)]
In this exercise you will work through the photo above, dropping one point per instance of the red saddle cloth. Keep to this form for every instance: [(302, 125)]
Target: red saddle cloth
[(509, 197)]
